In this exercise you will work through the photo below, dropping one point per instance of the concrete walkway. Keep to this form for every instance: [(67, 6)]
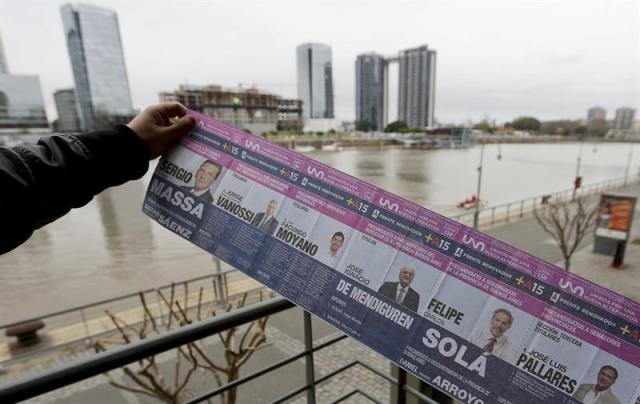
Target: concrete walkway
[(528, 236)]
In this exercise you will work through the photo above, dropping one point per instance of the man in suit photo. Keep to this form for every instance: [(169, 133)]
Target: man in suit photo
[(599, 393), (207, 173), (401, 291), (493, 339), (265, 220)]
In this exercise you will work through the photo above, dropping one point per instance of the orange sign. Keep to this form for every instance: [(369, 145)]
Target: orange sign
[(621, 213)]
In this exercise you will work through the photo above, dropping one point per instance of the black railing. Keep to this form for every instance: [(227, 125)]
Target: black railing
[(515, 210), (117, 357), (88, 312)]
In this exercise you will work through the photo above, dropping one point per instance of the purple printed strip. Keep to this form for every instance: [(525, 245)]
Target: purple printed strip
[(325, 208), (275, 183), (260, 177), (204, 151), (549, 314), (600, 297), (226, 132), (340, 180), (508, 255), (492, 287)]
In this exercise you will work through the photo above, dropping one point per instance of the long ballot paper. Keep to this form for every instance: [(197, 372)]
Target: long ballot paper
[(466, 313)]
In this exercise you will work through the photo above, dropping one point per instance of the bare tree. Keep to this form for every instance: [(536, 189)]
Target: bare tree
[(567, 223), (147, 379)]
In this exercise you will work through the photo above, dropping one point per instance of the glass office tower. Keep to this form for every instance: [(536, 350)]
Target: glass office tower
[(97, 62), (315, 80), (370, 88), (21, 105)]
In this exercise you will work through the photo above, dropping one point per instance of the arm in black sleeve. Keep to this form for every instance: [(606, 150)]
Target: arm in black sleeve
[(40, 183)]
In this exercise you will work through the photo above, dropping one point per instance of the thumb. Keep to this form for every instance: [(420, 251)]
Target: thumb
[(182, 126)]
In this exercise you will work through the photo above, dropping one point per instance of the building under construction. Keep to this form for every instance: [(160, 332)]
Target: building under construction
[(250, 109)]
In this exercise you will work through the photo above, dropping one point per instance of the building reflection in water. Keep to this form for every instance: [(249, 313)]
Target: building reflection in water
[(127, 231)]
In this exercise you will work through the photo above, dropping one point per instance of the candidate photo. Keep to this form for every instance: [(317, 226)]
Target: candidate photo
[(265, 220), (205, 176), (335, 245), (401, 291), (600, 392), (493, 339)]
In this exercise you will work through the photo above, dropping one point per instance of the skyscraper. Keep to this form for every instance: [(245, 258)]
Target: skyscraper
[(21, 102), (416, 88), (624, 118), (315, 80), (596, 116), (370, 88), (68, 120), (97, 62), (3, 61)]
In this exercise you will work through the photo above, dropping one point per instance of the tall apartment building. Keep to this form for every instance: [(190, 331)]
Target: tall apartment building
[(315, 80), (21, 101), (97, 62), (68, 119), (416, 88), (250, 108), (596, 116), (370, 89), (624, 118)]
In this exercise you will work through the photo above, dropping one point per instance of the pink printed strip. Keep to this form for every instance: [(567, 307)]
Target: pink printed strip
[(530, 305), (517, 260)]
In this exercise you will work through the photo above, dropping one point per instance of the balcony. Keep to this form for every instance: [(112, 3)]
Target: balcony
[(304, 360)]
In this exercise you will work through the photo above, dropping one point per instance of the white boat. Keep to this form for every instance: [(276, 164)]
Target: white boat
[(305, 148), (333, 146), (418, 141)]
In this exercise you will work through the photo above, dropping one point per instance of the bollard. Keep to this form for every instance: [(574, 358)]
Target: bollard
[(618, 257)]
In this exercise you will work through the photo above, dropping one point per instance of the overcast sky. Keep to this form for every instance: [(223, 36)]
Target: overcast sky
[(551, 59)]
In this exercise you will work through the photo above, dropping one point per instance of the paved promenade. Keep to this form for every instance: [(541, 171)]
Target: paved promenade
[(528, 236)]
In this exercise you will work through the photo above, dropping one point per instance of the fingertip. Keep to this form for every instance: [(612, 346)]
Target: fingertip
[(182, 109), (174, 108)]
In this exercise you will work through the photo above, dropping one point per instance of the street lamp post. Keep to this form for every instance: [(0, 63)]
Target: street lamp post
[(576, 182), (476, 215), (626, 172)]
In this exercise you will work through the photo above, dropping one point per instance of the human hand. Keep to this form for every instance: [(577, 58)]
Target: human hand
[(154, 126)]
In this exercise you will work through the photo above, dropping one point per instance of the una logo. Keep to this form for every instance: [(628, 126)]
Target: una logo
[(252, 145), (477, 244), (314, 171), (576, 290), (387, 204)]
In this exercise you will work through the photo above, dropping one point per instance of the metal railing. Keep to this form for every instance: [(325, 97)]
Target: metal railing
[(117, 357), (85, 313), (519, 209)]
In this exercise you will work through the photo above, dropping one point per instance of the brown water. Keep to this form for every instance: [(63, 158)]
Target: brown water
[(110, 248)]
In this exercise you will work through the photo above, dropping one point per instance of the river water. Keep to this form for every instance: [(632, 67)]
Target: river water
[(110, 248)]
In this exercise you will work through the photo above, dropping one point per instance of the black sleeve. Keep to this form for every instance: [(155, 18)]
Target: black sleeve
[(40, 183)]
